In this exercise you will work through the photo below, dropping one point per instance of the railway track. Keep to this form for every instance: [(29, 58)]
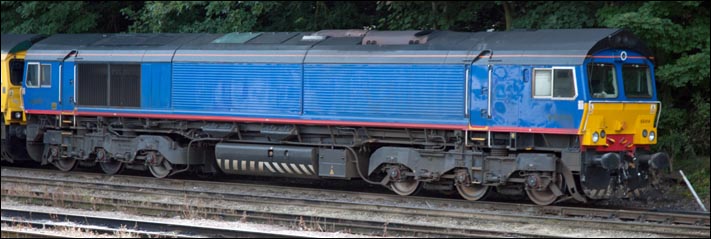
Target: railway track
[(122, 226), (49, 185)]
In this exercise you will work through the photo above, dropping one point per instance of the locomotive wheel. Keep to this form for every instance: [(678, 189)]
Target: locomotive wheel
[(405, 188), (161, 170), (545, 197), (65, 164), (111, 167), (473, 192)]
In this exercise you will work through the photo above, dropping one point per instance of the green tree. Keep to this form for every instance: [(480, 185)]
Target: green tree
[(65, 16), (440, 15), (554, 15), (197, 16), (244, 16), (46, 17), (318, 15)]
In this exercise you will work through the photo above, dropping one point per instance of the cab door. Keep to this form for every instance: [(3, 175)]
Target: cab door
[(67, 82), (479, 95), (496, 92), (67, 73)]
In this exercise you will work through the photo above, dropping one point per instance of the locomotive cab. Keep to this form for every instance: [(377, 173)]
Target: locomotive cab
[(619, 123)]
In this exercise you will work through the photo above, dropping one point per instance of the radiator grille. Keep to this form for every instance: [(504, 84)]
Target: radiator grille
[(125, 90), (92, 84), (121, 88)]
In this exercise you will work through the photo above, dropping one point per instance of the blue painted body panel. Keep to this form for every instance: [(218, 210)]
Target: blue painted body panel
[(156, 85), (67, 82), (512, 104), (237, 89), (550, 113), (385, 92)]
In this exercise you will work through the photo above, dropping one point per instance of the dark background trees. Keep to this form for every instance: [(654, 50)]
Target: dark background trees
[(677, 32)]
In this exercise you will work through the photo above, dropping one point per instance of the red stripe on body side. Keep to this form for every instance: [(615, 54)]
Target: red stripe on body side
[(44, 112), (258, 120), (306, 122)]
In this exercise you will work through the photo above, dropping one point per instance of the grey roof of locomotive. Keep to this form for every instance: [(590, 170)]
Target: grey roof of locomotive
[(558, 46)]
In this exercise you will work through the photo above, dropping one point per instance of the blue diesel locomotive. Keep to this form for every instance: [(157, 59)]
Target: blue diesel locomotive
[(554, 114)]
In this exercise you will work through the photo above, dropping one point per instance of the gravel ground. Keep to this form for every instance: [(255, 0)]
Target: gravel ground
[(669, 196)]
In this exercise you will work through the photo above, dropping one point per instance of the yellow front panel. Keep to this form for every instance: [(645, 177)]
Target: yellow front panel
[(618, 118), (11, 94)]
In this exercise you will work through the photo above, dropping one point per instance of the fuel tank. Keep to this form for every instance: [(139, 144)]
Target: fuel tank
[(267, 160)]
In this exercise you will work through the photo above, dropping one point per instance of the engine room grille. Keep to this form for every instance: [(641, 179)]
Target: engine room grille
[(116, 85), (92, 84), (125, 89)]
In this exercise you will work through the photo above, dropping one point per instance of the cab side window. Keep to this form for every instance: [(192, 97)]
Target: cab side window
[(542, 83), (33, 75), (46, 75), (554, 83), (39, 75), (563, 85)]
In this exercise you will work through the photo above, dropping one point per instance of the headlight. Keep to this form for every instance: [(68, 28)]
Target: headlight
[(595, 137), (644, 133), (17, 115), (651, 136)]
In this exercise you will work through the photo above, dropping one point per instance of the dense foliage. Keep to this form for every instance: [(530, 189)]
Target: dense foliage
[(677, 31)]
